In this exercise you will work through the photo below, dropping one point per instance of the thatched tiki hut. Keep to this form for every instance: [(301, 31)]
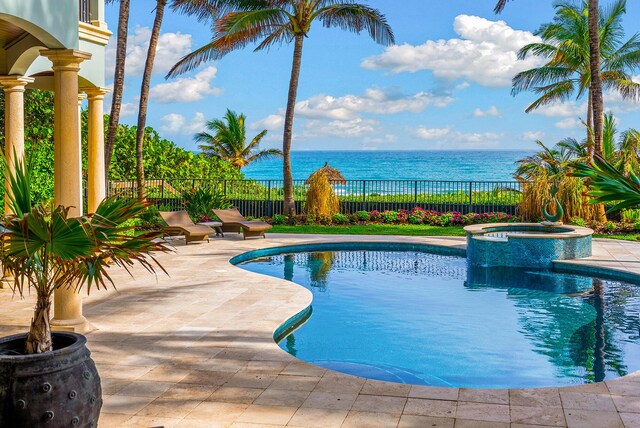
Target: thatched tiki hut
[(322, 201), (333, 175)]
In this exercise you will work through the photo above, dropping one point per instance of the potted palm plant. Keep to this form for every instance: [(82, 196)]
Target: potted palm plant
[(50, 377)]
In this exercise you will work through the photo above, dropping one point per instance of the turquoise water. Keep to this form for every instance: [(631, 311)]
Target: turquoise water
[(481, 165), (421, 318)]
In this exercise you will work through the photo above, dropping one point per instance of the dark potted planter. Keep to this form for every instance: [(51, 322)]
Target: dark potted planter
[(54, 389)]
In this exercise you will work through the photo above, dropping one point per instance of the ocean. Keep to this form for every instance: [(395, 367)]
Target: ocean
[(480, 165)]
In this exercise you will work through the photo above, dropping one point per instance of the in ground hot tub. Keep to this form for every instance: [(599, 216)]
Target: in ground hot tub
[(525, 244)]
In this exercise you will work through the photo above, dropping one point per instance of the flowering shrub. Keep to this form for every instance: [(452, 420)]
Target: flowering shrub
[(415, 216)]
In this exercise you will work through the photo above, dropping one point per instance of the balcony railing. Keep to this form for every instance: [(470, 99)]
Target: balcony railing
[(85, 10)]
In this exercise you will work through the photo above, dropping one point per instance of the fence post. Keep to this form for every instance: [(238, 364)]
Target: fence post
[(224, 187), (470, 196), (269, 201), (415, 192), (364, 195), (162, 192)]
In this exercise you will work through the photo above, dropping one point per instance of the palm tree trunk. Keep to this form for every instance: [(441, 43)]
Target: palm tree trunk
[(596, 81), (596, 89), (39, 337), (590, 142), (144, 98), (118, 82), (289, 201)]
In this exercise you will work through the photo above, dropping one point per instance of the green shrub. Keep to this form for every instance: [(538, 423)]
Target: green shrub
[(340, 219), (389, 216), (578, 221), (446, 219), (279, 219), (630, 216), (200, 202), (610, 226), (636, 225), (362, 216)]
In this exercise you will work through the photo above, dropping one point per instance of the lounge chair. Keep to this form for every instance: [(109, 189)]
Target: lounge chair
[(179, 224), (233, 221)]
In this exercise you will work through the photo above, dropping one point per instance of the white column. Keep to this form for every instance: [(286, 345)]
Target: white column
[(14, 87), (96, 174), (67, 167)]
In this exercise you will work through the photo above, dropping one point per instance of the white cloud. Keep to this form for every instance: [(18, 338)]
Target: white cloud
[(186, 89), (448, 138), (171, 47), (128, 109), (352, 128), (374, 101), (273, 122), (533, 135), (175, 123), (425, 133), (485, 53), (566, 109), (491, 111), (569, 123)]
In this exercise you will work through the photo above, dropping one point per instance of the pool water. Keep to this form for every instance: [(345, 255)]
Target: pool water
[(421, 318)]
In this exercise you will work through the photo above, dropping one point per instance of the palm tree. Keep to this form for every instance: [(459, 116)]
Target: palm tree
[(594, 65), (144, 98), (118, 79), (240, 22), (565, 43), (227, 140)]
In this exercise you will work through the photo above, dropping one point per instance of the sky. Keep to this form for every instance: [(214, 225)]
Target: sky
[(445, 85)]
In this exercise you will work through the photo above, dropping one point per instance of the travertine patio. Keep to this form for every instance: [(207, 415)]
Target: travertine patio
[(195, 350)]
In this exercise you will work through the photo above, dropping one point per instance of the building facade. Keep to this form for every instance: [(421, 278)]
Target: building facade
[(58, 45)]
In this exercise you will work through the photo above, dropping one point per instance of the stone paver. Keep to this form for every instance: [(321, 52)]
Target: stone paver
[(196, 350)]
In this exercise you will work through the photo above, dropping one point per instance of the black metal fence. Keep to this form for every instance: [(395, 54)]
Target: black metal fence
[(85, 10), (263, 198)]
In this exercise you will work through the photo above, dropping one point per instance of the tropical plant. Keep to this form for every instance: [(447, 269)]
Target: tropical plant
[(550, 168), (240, 22), (144, 97), (199, 202), (322, 201), (118, 78), (565, 44), (44, 249), (227, 140), (610, 184)]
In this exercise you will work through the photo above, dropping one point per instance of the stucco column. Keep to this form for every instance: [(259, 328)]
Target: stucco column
[(96, 175), (67, 167), (13, 124)]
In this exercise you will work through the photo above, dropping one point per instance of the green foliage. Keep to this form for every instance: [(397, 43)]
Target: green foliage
[(389, 216), (578, 221), (279, 219), (609, 184), (199, 203), (362, 216), (610, 226), (636, 225), (339, 218), (630, 216)]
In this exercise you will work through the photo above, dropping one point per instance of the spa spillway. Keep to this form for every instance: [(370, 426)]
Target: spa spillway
[(529, 245)]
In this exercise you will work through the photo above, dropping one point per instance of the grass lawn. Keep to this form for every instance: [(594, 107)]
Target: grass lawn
[(397, 229)]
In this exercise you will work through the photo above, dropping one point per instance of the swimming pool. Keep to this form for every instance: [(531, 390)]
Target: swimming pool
[(410, 315)]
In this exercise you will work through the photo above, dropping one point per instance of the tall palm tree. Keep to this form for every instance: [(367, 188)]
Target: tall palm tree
[(565, 43), (240, 22), (227, 140), (118, 79), (144, 97), (594, 65)]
